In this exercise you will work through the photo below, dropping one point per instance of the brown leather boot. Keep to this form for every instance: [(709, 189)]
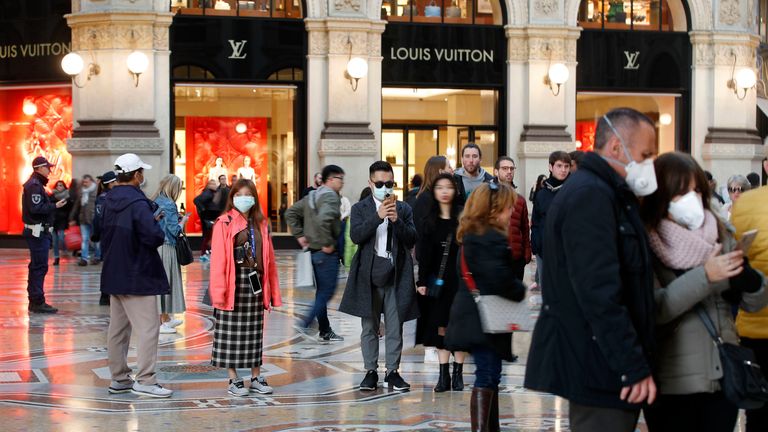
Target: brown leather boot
[(493, 415), (479, 408)]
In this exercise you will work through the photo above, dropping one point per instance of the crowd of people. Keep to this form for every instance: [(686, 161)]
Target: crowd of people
[(633, 252)]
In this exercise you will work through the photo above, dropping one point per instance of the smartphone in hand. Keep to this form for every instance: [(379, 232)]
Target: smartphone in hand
[(745, 243)]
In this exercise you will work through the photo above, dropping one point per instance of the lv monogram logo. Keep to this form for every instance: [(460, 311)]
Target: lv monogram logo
[(237, 49), (632, 58)]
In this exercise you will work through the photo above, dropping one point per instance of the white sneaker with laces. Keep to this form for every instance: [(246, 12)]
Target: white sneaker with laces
[(116, 387), (259, 385), (237, 388), (166, 329), (173, 323), (155, 390)]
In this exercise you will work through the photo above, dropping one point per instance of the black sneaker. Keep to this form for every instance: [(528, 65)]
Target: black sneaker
[(56, 261), (82, 263), (370, 381), (396, 382), (330, 336), (42, 308)]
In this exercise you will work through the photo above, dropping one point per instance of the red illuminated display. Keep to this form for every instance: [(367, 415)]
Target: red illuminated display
[(33, 122), (232, 139), (585, 134)]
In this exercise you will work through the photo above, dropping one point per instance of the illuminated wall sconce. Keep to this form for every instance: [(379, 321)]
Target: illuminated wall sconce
[(557, 74), (742, 80), (137, 64), (356, 67), (241, 128), (73, 64)]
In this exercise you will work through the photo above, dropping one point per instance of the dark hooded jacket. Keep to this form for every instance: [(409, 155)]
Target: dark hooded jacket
[(130, 237)]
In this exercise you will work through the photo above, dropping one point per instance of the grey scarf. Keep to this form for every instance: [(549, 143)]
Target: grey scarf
[(86, 193)]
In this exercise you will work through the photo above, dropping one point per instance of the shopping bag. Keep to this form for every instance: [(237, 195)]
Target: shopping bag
[(305, 274), (72, 238)]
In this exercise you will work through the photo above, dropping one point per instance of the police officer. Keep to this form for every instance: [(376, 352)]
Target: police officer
[(37, 212)]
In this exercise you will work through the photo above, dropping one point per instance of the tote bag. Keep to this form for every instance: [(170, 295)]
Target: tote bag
[(73, 240), (305, 274)]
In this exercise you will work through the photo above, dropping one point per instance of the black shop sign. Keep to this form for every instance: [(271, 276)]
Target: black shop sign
[(420, 55), (34, 37)]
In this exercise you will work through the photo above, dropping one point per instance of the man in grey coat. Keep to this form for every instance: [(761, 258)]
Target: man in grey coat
[(381, 277)]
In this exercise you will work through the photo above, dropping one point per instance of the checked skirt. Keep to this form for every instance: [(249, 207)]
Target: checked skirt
[(238, 335)]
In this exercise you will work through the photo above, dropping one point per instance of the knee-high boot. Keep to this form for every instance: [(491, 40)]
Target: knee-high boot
[(479, 408), (458, 379), (493, 415), (444, 380)]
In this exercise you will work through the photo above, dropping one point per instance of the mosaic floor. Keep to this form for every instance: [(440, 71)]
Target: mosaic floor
[(54, 376)]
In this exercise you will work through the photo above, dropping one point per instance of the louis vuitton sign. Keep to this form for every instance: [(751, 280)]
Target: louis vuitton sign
[(35, 50), (441, 54)]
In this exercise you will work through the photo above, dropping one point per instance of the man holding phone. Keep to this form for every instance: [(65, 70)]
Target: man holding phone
[(381, 276), (750, 214)]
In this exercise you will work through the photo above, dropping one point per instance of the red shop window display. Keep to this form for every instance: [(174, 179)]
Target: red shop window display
[(241, 143), (585, 135), (33, 122)]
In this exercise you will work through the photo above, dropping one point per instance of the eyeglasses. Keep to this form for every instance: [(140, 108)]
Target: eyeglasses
[(735, 190), (337, 177), (381, 184)]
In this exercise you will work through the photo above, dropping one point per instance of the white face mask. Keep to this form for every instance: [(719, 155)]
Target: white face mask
[(688, 211), (382, 192), (641, 176), (244, 203)]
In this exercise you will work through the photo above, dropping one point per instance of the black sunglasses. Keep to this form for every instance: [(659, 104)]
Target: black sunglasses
[(380, 184), (735, 190)]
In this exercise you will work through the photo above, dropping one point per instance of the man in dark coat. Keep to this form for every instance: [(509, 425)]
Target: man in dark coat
[(207, 211), (381, 277), (593, 341), (133, 275)]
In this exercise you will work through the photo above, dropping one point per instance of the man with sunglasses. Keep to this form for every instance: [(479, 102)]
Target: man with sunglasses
[(381, 276), (315, 221)]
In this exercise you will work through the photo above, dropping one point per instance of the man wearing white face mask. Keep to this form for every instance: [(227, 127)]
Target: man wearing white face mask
[(593, 339)]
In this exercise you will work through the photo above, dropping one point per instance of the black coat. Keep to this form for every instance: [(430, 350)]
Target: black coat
[(595, 333), (541, 202), (490, 261)]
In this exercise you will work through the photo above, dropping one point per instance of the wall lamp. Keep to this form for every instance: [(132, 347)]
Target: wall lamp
[(557, 74), (356, 67), (137, 63), (73, 64), (742, 80)]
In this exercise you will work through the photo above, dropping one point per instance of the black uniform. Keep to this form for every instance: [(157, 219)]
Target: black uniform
[(37, 210)]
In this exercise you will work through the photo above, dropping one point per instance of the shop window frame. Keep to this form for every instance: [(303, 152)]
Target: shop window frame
[(417, 15), (268, 9), (662, 10)]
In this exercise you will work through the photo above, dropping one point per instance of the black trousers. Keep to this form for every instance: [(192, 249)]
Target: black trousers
[(593, 419), (696, 412), (518, 268), (757, 420)]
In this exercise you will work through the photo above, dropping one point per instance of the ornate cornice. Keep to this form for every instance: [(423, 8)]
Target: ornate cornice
[(542, 43), (124, 30), (348, 147), (95, 146)]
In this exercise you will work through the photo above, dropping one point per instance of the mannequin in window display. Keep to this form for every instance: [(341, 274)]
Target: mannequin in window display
[(245, 171), (217, 170)]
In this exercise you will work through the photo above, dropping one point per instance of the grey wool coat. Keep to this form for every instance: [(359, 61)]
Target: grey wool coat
[(364, 220)]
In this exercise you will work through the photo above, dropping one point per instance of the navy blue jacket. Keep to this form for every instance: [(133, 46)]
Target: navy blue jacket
[(130, 237), (541, 202), (98, 216), (36, 205), (595, 333)]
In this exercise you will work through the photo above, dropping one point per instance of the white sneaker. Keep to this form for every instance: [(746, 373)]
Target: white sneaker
[(116, 387), (237, 388), (259, 385), (166, 329), (155, 390), (173, 323)]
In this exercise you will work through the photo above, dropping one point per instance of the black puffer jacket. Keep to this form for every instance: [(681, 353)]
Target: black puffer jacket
[(490, 262)]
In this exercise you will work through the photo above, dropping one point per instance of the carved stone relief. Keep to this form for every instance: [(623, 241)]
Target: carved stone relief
[(547, 8), (347, 5), (119, 35), (318, 42), (730, 12)]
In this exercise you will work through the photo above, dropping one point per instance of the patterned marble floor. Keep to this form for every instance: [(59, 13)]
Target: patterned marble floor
[(53, 370)]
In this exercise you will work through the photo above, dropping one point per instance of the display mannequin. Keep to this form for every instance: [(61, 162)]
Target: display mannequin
[(217, 170), (246, 172)]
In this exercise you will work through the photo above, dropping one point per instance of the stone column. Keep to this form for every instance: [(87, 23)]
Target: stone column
[(112, 115), (724, 136), (345, 123), (538, 122)]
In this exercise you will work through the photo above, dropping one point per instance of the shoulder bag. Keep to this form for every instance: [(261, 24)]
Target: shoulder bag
[(435, 286), (495, 311), (743, 382), (183, 249)]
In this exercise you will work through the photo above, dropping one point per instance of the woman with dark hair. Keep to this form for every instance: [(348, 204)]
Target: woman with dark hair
[(696, 270), (539, 184), (438, 279), (435, 166), (243, 284), (60, 219)]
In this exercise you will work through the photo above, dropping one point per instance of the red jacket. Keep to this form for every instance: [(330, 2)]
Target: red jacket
[(223, 270), (519, 233)]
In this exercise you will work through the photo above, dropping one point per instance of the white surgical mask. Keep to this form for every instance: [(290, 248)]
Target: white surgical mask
[(244, 203), (688, 211), (641, 176), (382, 192)]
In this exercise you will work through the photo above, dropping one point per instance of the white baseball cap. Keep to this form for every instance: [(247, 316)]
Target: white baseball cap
[(129, 162)]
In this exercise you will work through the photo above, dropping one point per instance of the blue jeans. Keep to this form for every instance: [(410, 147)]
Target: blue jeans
[(58, 243), (326, 267), (85, 231), (487, 368)]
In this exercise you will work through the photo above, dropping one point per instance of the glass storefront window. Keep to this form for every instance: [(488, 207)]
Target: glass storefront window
[(251, 128), (661, 108), (487, 12), (625, 15), (244, 8), (34, 121), (420, 123)]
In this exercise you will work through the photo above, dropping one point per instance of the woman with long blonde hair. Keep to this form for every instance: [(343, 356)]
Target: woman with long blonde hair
[(482, 236), (165, 197)]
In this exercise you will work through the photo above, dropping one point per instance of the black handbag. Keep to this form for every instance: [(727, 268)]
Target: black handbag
[(435, 286), (743, 382), (183, 249), (383, 268)]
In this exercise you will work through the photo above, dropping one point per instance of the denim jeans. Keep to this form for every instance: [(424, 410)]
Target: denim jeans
[(58, 243), (85, 232), (487, 368), (326, 267)]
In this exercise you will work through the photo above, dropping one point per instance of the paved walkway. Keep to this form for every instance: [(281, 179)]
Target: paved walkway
[(54, 376)]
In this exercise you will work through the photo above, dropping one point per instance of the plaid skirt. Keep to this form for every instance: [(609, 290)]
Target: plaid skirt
[(238, 335)]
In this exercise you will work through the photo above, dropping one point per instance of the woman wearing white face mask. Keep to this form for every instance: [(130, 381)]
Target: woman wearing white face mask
[(244, 284), (695, 264)]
